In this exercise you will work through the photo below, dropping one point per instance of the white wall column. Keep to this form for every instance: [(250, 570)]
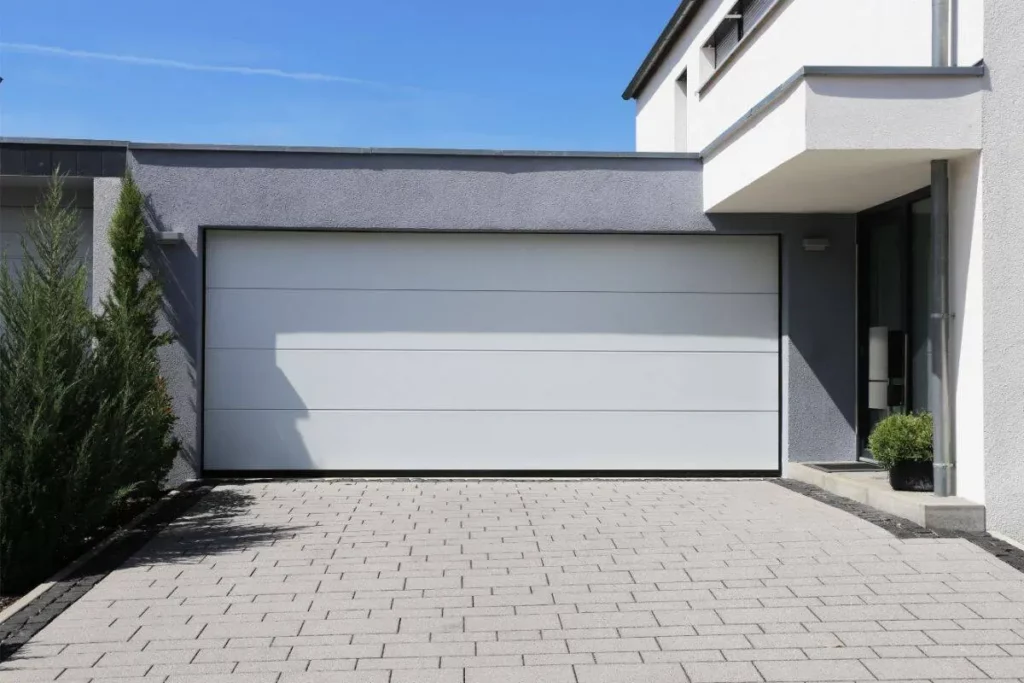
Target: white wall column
[(966, 339)]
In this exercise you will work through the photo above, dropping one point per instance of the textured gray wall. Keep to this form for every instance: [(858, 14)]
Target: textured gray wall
[(105, 192), (1003, 249), (187, 189)]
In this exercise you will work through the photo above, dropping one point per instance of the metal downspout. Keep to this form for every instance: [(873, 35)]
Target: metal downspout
[(938, 385), (940, 32), (938, 339)]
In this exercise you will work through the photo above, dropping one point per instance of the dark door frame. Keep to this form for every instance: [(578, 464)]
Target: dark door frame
[(901, 209)]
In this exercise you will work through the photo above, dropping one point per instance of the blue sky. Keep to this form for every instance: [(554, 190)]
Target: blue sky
[(530, 74)]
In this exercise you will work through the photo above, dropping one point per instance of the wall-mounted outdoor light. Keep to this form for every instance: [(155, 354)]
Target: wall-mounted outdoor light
[(816, 243), (165, 238)]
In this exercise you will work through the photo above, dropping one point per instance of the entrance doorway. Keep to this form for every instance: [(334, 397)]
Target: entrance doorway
[(893, 275)]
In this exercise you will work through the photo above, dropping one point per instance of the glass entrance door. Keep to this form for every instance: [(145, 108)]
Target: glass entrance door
[(893, 276)]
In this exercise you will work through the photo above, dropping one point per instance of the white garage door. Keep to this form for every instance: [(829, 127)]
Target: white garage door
[(346, 351)]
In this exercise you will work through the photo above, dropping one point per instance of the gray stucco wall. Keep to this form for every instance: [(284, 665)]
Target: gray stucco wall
[(187, 189), (1003, 249)]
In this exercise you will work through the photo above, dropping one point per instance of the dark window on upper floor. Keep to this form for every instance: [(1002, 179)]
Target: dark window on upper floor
[(737, 22)]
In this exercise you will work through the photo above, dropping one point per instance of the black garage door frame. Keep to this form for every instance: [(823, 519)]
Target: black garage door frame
[(486, 473)]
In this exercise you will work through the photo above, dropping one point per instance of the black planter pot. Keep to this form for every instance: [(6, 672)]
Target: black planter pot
[(912, 475)]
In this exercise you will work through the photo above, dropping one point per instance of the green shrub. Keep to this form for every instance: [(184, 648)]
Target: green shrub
[(902, 437), (54, 484), (85, 419)]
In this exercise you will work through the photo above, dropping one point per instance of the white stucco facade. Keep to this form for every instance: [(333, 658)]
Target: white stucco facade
[(827, 107), (795, 33), (966, 283)]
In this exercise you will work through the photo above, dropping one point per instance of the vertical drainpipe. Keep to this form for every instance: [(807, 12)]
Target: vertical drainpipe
[(938, 385), (940, 32)]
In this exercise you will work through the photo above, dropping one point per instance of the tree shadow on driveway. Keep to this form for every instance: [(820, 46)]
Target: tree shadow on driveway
[(186, 528), (219, 523)]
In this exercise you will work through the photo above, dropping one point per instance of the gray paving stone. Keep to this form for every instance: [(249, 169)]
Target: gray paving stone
[(608, 620), (722, 672), (191, 669), (29, 675), (427, 676), (579, 658), (513, 623), (1000, 667), (956, 668), (327, 677), (242, 654), (813, 671), (418, 663), (766, 615), (530, 674), (481, 661), (523, 647), (428, 649), (629, 673), (102, 672)]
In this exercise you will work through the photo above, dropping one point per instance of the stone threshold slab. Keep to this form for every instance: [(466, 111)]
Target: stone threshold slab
[(872, 489)]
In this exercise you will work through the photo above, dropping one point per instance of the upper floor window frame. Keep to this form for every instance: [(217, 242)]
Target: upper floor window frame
[(738, 27)]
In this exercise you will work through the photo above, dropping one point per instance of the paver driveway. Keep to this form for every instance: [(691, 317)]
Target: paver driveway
[(539, 581)]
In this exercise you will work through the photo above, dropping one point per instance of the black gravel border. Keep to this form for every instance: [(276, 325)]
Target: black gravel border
[(33, 617), (904, 528)]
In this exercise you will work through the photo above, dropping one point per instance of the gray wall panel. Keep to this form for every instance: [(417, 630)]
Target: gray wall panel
[(189, 189)]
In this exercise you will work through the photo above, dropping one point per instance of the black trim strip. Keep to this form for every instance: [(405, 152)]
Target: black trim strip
[(779, 304), (488, 474)]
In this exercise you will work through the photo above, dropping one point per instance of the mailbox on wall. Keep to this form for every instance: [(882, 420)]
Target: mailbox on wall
[(887, 368)]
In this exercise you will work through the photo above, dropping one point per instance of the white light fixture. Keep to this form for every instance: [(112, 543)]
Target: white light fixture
[(165, 238), (816, 243)]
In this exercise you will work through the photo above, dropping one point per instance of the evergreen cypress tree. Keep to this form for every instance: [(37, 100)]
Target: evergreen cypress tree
[(46, 394), (127, 348), (85, 418)]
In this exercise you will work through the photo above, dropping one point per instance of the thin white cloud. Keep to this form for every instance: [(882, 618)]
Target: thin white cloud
[(158, 62)]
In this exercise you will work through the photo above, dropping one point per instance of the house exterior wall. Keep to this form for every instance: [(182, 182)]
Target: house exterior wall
[(796, 33), (190, 189), (1002, 206)]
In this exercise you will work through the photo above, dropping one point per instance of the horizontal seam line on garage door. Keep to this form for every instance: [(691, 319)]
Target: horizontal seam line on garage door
[(478, 410), (461, 350), (484, 291)]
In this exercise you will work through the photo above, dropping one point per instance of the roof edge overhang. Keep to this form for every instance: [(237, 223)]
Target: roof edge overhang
[(681, 18)]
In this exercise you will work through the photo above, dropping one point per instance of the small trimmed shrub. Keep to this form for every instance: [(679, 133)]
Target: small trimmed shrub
[(902, 437)]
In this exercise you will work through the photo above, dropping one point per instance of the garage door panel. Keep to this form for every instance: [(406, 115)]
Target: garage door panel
[(333, 319), (468, 262), (369, 440), (499, 380), (490, 352)]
